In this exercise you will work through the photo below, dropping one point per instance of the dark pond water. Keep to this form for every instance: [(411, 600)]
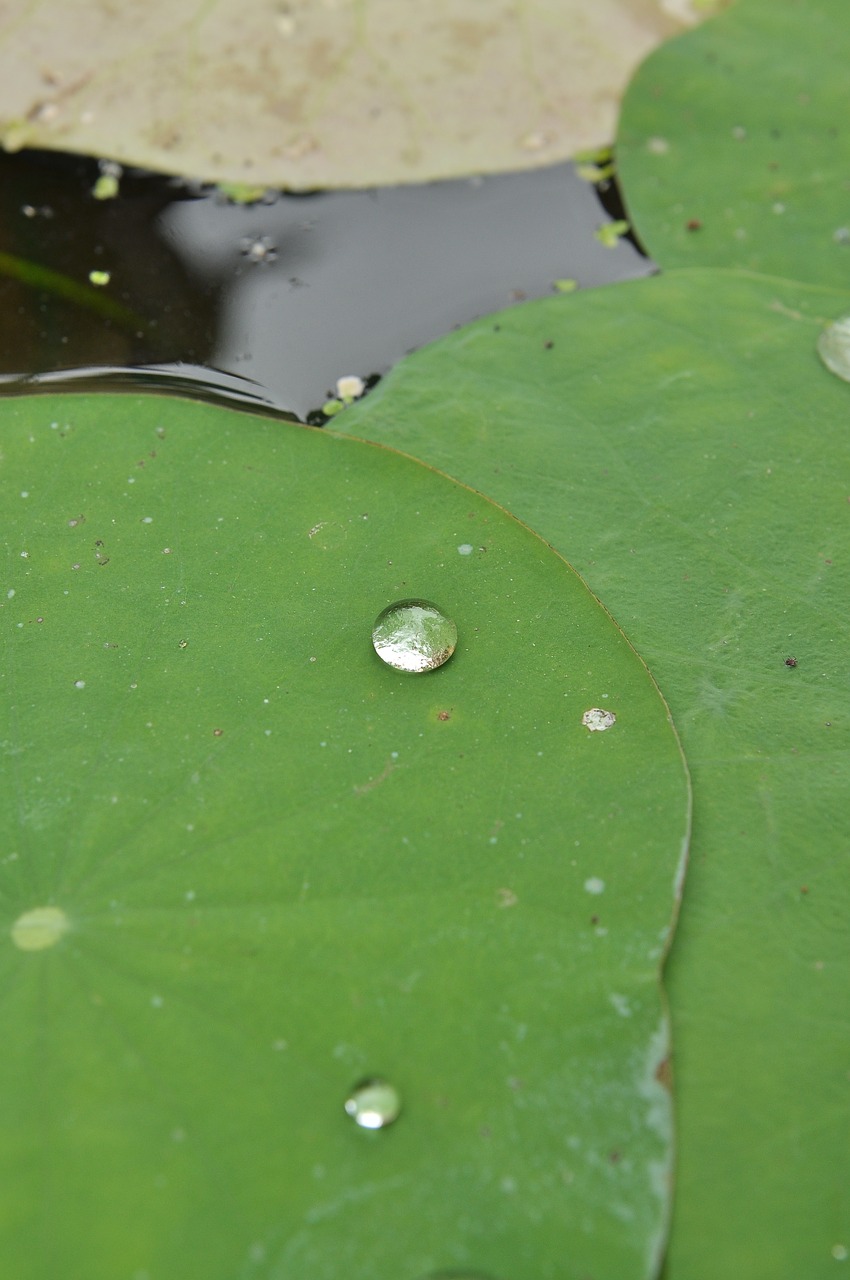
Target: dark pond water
[(272, 302)]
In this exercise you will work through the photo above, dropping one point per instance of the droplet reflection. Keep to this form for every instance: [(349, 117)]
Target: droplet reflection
[(373, 1104), (834, 347), (413, 635)]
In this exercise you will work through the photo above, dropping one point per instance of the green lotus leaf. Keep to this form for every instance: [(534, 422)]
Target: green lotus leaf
[(263, 893)]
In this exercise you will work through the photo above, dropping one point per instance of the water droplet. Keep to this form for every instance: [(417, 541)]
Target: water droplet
[(840, 1252), (413, 635), (40, 928), (834, 347), (594, 885), (373, 1104), (598, 720)]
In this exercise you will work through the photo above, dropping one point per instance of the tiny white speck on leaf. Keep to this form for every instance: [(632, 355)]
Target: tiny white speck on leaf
[(594, 885), (597, 720)]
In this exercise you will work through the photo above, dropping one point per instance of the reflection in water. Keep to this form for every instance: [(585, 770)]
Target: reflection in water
[(277, 299)]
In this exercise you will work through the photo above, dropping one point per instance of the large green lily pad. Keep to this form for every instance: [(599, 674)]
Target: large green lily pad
[(681, 437), (339, 93), (246, 865), (733, 146)]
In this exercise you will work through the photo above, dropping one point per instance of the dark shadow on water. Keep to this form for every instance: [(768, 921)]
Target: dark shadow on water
[(270, 303)]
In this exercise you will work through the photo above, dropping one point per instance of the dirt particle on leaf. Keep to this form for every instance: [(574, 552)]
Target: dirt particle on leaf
[(217, 733), (444, 715), (664, 1074), (693, 224)]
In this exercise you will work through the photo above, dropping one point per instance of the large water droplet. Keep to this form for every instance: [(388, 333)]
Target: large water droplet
[(834, 347), (413, 635), (373, 1104), (42, 927)]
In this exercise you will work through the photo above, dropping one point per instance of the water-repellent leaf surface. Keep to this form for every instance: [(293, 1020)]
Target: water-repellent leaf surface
[(682, 438), (733, 146), (246, 865), (324, 94)]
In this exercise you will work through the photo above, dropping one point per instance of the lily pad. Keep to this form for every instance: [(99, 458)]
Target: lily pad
[(341, 93), (261, 892), (682, 438), (733, 147)]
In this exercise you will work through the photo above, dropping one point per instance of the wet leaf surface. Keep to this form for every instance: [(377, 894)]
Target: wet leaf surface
[(682, 438), (733, 147), (330, 94), (250, 874)]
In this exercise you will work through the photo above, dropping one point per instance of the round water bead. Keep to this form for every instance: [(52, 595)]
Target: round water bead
[(414, 635), (834, 347), (373, 1104)]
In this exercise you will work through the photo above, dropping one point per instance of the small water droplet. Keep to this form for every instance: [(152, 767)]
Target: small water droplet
[(40, 928), (413, 635), (598, 720), (834, 347), (594, 885), (373, 1104), (840, 1252)]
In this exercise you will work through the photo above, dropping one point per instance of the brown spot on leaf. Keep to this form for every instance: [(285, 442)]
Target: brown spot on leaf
[(664, 1074)]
